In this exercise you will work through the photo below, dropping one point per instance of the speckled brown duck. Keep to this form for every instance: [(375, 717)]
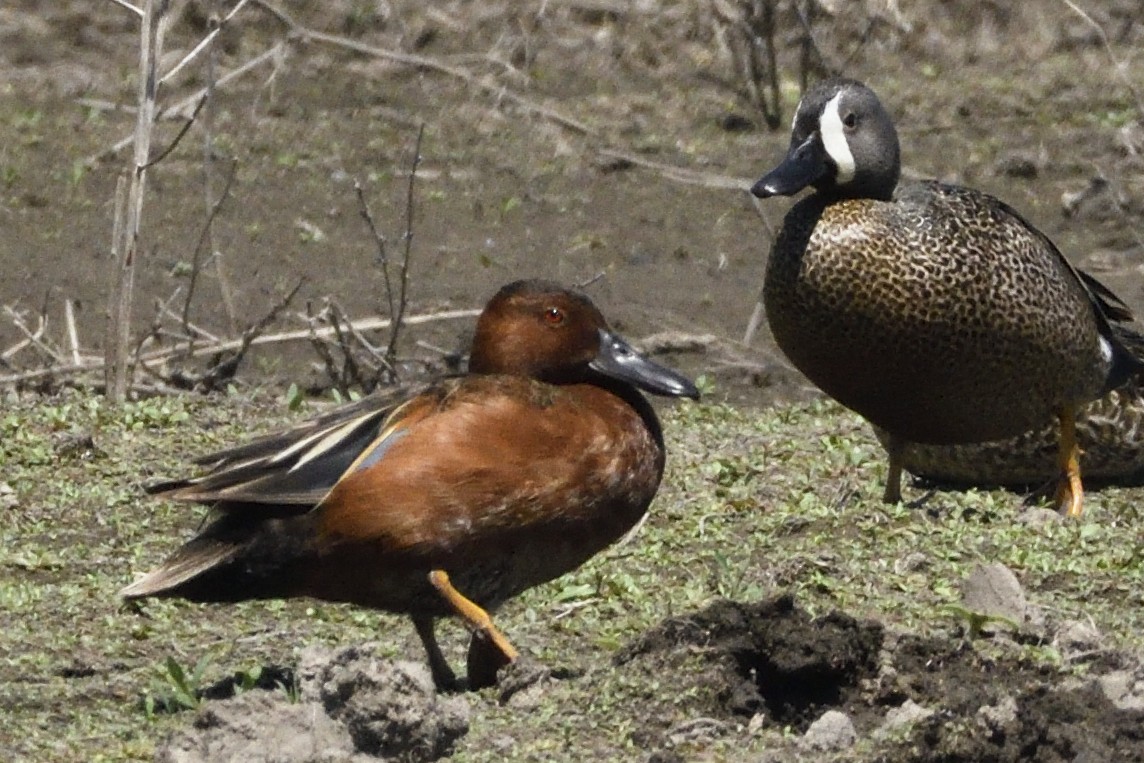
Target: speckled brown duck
[(934, 310), (1109, 431)]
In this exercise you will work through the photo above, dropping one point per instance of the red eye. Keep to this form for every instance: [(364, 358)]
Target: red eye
[(554, 316)]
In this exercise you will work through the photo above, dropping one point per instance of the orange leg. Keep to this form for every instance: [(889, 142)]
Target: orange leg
[(477, 618), (1070, 493), (893, 492)]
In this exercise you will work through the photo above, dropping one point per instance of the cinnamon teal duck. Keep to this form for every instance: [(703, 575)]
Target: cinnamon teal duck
[(933, 310), (451, 501), (1109, 431)]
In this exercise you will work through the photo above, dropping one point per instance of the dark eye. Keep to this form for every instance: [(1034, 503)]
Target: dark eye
[(554, 316), (850, 120)]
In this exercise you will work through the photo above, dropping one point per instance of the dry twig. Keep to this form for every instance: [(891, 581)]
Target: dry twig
[(126, 246), (1117, 65), (203, 350), (680, 174), (424, 62)]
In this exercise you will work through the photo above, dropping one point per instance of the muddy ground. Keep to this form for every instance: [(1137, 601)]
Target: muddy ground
[(529, 110)]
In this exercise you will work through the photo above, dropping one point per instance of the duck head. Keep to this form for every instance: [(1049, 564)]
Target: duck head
[(842, 142), (541, 330)]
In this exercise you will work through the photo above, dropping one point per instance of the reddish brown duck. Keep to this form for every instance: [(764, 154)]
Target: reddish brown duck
[(448, 502)]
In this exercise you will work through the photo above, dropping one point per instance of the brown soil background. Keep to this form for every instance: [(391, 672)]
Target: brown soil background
[(1023, 103)]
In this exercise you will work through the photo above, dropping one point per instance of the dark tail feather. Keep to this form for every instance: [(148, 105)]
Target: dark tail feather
[(188, 563), (1113, 307), (235, 558)]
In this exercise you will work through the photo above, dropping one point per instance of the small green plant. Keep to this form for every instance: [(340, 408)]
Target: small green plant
[(975, 622), (153, 413), (295, 398), (245, 680), (175, 689)]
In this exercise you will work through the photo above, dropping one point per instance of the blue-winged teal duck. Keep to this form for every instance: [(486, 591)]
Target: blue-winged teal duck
[(935, 311), (449, 501), (1109, 431)]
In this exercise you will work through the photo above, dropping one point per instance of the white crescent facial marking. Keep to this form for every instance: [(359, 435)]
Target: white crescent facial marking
[(834, 140), (1105, 350)]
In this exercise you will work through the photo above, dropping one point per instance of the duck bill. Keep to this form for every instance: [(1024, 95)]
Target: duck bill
[(620, 360), (804, 165)]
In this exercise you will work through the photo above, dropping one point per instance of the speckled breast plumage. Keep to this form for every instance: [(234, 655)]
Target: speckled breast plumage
[(940, 316)]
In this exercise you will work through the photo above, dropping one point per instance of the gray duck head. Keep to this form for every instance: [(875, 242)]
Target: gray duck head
[(842, 142)]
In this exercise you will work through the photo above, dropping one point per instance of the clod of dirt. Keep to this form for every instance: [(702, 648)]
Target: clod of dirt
[(832, 731), (1077, 637), (902, 717), (352, 705), (260, 726), (1124, 689), (993, 591), (997, 718), (1005, 711), (907, 698), (522, 683)]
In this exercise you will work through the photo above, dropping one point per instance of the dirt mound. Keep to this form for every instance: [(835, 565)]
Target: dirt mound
[(845, 684), (778, 659), (350, 705)]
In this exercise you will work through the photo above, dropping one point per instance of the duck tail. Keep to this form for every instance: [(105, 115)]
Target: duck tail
[(186, 565), (1127, 356), (237, 557)]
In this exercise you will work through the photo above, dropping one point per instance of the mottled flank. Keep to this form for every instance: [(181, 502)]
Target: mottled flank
[(1110, 432)]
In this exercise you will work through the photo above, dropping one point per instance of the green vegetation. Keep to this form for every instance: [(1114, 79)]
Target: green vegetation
[(754, 503)]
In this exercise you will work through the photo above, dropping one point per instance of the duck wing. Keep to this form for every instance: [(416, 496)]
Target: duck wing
[(290, 471)]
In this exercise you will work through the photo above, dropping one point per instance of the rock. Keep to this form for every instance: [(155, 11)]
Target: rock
[(1038, 516), (260, 727), (995, 718), (1123, 689), (911, 562), (1017, 165), (993, 591), (696, 731), (832, 731), (902, 717), (1075, 636), (8, 499)]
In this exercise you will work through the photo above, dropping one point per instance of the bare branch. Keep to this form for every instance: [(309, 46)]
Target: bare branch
[(1117, 65), (424, 62), (391, 348), (151, 48), (128, 6), (179, 136), (365, 324), (680, 174), (73, 334), (32, 338), (180, 106), (379, 241), (204, 234), (204, 43)]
